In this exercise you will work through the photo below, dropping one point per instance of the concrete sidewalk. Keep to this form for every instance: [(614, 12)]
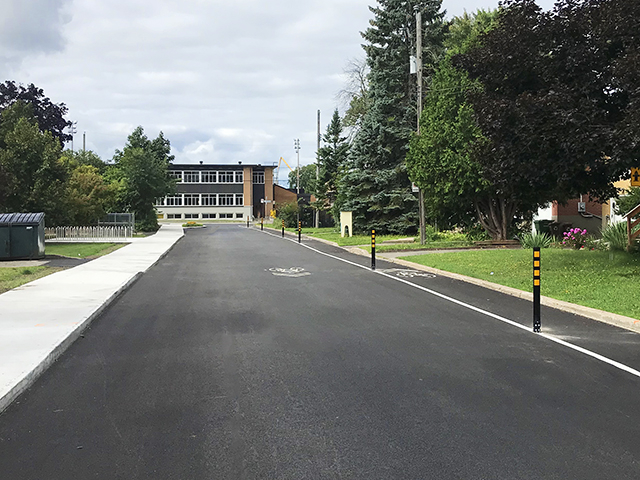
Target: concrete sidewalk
[(39, 320)]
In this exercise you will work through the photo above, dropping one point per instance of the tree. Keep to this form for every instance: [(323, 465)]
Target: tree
[(307, 179), (332, 158), (32, 177), (356, 93), (50, 116), (439, 159), (141, 173), (88, 196), (558, 104), (376, 186), (85, 157)]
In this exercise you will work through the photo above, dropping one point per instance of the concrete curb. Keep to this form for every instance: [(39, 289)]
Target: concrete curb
[(620, 321)]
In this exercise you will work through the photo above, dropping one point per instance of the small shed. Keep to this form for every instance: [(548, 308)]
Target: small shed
[(21, 236)]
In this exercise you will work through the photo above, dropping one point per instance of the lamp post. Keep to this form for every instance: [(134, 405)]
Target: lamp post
[(296, 147)]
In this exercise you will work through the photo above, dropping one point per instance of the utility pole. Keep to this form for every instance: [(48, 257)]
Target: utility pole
[(419, 106), (84, 141), (318, 172)]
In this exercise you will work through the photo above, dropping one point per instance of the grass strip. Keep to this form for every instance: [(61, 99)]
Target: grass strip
[(81, 250), (13, 277), (608, 281)]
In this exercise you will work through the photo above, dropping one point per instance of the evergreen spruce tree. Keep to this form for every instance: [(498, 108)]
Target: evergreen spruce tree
[(331, 159), (376, 187)]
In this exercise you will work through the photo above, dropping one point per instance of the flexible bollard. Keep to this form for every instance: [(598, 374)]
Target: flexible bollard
[(282, 228), (373, 249), (261, 223), (299, 231), (536, 290), (247, 221)]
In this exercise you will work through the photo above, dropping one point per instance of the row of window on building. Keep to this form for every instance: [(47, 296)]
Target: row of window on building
[(210, 216), (214, 176), (202, 199)]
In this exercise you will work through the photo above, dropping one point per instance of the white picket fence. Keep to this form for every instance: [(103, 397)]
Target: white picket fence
[(100, 233)]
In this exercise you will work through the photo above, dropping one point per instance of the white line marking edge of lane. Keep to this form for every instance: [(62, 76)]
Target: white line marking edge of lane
[(564, 343)]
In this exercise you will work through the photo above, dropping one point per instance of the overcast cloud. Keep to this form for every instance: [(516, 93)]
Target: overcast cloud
[(225, 81)]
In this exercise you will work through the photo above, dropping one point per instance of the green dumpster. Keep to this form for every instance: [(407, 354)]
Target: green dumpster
[(21, 236)]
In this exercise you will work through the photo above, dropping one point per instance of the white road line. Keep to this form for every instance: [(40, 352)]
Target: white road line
[(577, 348)]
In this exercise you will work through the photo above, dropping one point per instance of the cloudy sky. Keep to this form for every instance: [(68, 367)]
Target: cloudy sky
[(226, 81)]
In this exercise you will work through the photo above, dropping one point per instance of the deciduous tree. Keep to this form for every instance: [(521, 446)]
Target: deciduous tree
[(49, 115)]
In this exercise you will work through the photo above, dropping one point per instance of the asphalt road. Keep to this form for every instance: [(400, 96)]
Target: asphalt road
[(242, 356)]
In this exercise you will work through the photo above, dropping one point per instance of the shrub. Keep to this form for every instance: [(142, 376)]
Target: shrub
[(536, 240), (575, 238), (148, 225), (615, 235)]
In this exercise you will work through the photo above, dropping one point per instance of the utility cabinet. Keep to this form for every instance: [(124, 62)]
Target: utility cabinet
[(21, 236)]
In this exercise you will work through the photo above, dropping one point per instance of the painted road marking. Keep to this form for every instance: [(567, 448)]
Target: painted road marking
[(288, 272), (525, 328), (407, 273)]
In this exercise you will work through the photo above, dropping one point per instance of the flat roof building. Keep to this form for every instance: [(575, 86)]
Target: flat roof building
[(207, 191)]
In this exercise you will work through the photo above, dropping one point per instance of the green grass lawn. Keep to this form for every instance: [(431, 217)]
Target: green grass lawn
[(436, 245), (14, 277), (608, 281), (81, 250)]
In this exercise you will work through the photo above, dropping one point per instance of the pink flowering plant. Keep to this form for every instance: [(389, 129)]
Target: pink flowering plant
[(575, 238)]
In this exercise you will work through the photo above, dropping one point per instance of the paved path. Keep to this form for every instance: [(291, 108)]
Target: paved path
[(241, 355)]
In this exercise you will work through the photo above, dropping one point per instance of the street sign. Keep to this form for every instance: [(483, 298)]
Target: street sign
[(414, 188), (635, 177)]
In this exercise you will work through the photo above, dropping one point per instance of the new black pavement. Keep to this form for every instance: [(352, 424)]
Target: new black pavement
[(212, 367)]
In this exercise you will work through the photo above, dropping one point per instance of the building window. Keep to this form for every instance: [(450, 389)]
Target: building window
[(226, 215), (160, 202), (174, 201), (208, 215), (209, 176), (176, 175), (171, 216), (191, 199), (191, 177), (225, 199), (239, 199), (239, 215), (258, 177), (209, 199), (225, 177), (191, 215), (239, 176)]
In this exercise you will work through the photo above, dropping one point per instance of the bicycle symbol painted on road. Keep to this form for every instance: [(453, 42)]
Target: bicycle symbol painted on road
[(288, 272), (406, 273)]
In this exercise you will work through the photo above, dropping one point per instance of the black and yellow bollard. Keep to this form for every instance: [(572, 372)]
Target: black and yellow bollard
[(299, 231), (536, 290), (247, 221), (282, 228), (373, 249)]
